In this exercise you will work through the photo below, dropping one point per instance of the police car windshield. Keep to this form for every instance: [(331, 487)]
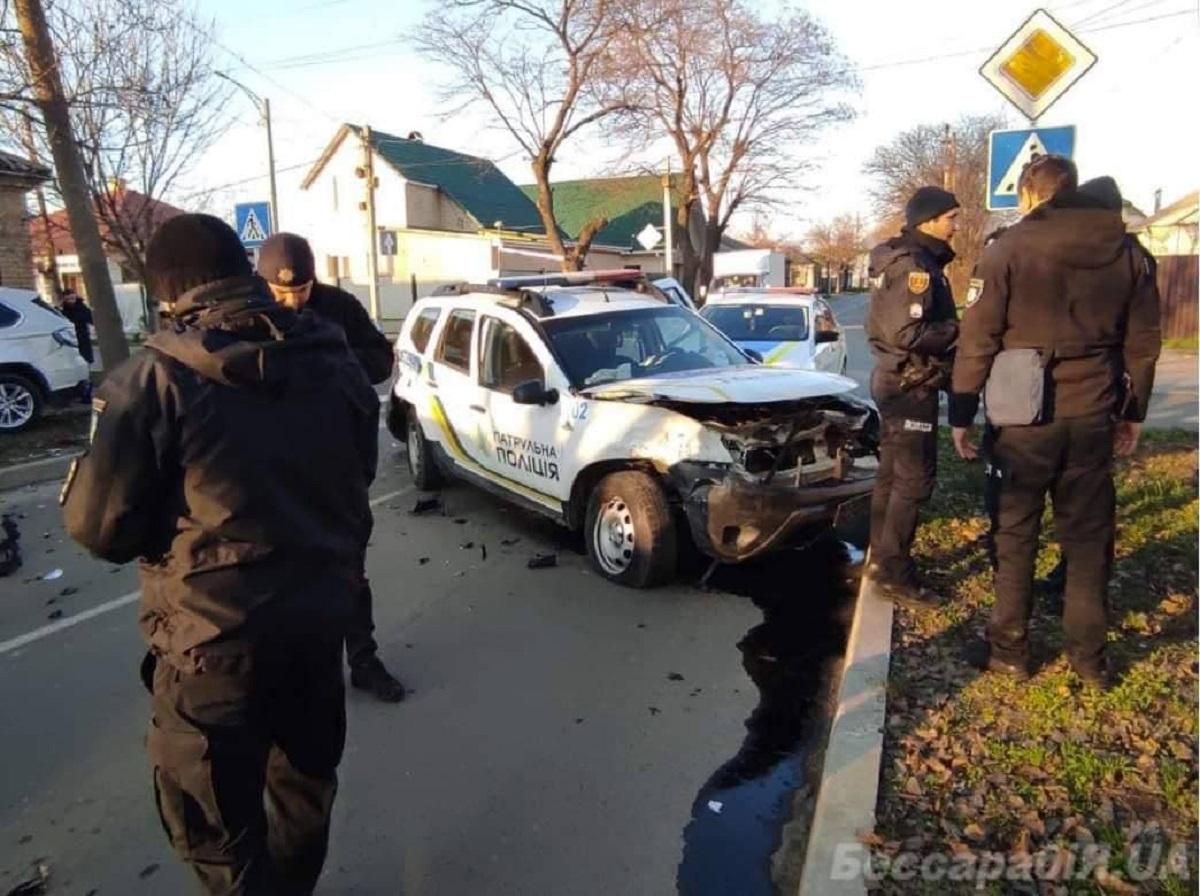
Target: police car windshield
[(759, 323), (622, 345)]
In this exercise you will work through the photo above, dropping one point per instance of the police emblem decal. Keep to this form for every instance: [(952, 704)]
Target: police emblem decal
[(916, 310), (918, 282), (974, 291), (286, 276)]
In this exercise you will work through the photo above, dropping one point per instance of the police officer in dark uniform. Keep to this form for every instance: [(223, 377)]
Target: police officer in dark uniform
[(249, 522), (286, 263), (1066, 302), (911, 326)]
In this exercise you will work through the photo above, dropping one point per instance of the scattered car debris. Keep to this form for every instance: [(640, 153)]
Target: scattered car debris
[(460, 521), (509, 542), (10, 547), (67, 592), (55, 614), (674, 676), (421, 561), (147, 871), (483, 551), (52, 575), (466, 546), (543, 561), (716, 806), (426, 505), (654, 710), (35, 884)]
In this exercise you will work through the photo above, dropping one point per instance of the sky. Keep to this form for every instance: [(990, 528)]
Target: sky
[(322, 62)]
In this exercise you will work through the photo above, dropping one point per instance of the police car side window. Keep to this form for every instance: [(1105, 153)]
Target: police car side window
[(423, 328), (455, 348), (507, 360)]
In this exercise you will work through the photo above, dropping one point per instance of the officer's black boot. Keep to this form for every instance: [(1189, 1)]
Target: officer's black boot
[(1093, 674), (907, 591), (374, 678), (980, 655)]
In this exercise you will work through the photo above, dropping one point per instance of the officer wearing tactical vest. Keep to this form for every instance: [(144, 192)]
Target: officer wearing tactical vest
[(912, 327), (1061, 333)]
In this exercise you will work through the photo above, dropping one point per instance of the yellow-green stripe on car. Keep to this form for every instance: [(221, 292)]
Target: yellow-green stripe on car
[(454, 446)]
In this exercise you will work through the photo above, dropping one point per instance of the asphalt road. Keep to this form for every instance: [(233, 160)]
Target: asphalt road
[(566, 736)]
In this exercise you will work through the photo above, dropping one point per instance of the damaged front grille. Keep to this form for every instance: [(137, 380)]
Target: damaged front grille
[(804, 441)]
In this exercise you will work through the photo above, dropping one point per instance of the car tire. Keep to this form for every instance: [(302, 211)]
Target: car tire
[(422, 465), (629, 531), (21, 402)]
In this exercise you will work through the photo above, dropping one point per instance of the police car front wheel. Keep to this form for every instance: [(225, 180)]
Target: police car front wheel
[(421, 464), (631, 537)]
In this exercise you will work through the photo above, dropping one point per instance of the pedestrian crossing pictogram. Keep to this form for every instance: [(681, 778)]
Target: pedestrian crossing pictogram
[(253, 223), (1010, 151)]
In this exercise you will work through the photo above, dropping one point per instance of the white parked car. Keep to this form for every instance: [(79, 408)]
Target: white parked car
[(39, 359), (595, 400), (786, 327)]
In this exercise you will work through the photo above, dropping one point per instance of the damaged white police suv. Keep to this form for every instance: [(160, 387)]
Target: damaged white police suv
[(594, 399)]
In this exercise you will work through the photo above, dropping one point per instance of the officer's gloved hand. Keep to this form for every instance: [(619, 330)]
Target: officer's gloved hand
[(964, 442)]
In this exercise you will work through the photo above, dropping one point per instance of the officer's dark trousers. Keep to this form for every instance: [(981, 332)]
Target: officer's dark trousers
[(360, 629), (245, 752), (907, 470), (1071, 460)]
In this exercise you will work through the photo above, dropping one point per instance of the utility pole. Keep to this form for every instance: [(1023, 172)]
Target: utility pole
[(368, 172), (72, 180), (668, 229), (949, 159), (263, 105)]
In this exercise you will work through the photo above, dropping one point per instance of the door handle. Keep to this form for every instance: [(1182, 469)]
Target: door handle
[(479, 409)]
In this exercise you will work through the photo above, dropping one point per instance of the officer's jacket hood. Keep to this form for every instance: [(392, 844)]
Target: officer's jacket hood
[(233, 333), (909, 242), (1074, 230)]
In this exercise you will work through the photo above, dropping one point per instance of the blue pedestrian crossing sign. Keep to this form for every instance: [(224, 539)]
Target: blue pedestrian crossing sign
[(1010, 151), (253, 223)]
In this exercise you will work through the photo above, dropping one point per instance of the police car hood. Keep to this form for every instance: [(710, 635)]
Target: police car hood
[(751, 385), (233, 333), (1073, 229)]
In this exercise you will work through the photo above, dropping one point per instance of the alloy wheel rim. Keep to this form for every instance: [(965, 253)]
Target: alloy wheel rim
[(16, 406)]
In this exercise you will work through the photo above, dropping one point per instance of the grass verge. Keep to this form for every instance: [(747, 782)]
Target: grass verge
[(58, 432), (981, 766)]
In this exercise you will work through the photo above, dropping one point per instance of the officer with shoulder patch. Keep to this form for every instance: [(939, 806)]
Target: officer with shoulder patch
[(286, 263), (912, 327), (1061, 333)]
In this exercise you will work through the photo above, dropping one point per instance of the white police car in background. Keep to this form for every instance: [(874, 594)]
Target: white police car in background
[(595, 400), (786, 327), (39, 359)]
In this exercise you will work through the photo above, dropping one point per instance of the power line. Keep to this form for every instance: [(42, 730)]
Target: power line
[(248, 180)]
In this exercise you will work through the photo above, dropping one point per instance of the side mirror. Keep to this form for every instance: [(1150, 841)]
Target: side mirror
[(827, 336), (754, 356), (534, 392)]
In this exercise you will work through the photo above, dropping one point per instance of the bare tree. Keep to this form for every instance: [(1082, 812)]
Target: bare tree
[(837, 244), (921, 156), (737, 93), (144, 106), (532, 65)]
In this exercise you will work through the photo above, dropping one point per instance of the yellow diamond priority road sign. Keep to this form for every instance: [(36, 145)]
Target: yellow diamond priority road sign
[(1038, 64)]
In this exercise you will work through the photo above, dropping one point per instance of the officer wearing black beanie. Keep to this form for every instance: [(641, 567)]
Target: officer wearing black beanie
[(911, 327), (249, 522)]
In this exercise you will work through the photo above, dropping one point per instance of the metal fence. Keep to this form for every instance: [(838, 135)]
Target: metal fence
[(1178, 285)]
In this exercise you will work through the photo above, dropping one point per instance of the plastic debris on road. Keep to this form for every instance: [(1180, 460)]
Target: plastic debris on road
[(543, 561), (52, 575), (426, 505)]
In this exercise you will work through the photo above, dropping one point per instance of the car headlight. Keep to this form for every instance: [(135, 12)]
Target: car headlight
[(66, 336)]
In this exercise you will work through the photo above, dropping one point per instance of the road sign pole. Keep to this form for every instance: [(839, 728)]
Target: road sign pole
[(372, 232), (271, 165)]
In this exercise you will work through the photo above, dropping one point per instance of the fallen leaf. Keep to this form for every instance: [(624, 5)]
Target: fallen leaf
[(974, 833)]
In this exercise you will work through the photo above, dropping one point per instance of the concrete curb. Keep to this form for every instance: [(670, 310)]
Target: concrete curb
[(35, 471), (849, 787)]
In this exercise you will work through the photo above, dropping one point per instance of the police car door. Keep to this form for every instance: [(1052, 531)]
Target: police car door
[(456, 401), (829, 344), (525, 396)]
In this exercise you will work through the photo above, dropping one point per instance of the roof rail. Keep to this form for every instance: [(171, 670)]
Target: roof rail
[(616, 277), (509, 297)]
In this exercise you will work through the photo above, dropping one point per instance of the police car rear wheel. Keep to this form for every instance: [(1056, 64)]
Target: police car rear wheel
[(631, 537), (421, 465)]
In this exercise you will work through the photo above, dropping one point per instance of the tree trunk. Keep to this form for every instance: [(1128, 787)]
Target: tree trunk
[(712, 242), (72, 181), (545, 207)]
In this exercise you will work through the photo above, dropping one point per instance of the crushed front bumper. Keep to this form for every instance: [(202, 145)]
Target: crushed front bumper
[(733, 518)]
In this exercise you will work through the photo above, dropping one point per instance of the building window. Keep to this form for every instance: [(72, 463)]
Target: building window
[(346, 272), (331, 268)]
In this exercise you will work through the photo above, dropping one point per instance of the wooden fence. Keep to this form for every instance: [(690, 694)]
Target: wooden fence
[(1179, 289)]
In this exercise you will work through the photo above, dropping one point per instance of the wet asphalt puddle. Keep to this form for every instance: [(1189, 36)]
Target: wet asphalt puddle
[(738, 817)]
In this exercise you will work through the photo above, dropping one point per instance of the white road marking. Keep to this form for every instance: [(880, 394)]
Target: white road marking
[(91, 613)]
